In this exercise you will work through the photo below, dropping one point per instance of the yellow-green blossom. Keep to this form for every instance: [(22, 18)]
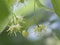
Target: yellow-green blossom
[(13, 29), (40, 27)]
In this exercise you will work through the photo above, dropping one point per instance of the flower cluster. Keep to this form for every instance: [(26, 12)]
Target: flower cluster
[(40, 28), (15, 25), (13, 29)]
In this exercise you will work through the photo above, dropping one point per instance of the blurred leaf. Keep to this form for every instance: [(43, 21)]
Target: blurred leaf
[(57, 33), (56, 6), (4, 15), (39, 4), (40, 17), (26, 9), (22, 1), (9, 2)]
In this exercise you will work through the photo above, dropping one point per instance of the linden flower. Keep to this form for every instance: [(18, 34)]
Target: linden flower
[(13, 29), (15, 25), (40, 27)]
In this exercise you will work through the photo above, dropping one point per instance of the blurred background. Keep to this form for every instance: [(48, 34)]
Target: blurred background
[(42, 16)]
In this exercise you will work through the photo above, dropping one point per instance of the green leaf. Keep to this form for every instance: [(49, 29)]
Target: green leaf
[(4, 14), (56, 6), (9, 2), (39, 4)]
